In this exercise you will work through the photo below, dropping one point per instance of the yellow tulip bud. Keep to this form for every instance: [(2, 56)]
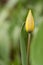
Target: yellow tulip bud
[(29, 25)]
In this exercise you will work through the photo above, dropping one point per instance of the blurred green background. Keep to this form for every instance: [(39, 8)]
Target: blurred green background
[(13, 40)]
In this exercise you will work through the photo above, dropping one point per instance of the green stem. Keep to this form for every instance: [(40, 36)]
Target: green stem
[(28, 48)]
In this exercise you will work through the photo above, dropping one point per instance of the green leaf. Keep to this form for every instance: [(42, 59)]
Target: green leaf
[(23, 41), (36, 48)]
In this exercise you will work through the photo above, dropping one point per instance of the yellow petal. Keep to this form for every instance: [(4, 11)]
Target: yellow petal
[(29, 25)]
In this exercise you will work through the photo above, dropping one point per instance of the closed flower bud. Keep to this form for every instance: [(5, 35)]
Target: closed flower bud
[(29, 25)]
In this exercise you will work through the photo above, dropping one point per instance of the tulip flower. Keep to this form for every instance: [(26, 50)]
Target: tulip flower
[(29, 25)]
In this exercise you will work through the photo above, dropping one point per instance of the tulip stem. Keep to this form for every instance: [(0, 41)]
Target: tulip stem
[(28, 48)]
